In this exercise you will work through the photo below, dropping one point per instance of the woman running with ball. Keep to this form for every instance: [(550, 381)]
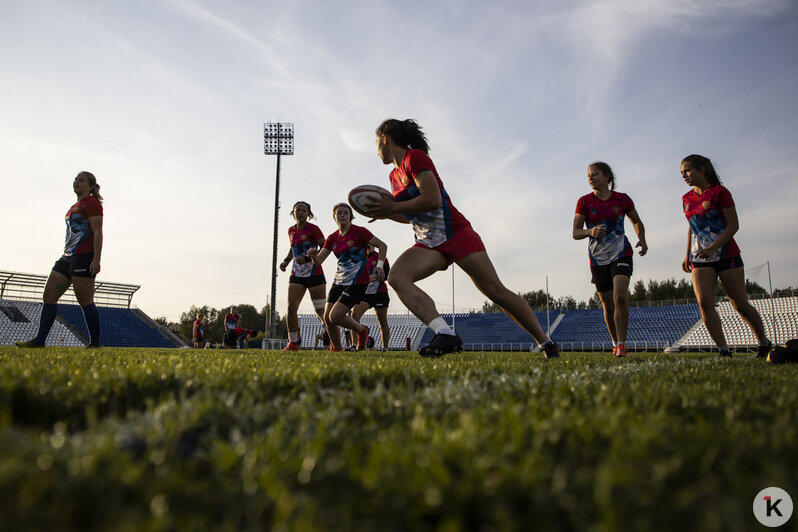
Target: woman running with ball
[(305, 276), (610, 253), (713, 254), (443, 236)]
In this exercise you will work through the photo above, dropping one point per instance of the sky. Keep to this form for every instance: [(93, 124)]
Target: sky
[(165, 101)]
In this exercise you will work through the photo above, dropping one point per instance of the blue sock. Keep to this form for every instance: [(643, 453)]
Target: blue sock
[(92, 318), (49, 310)]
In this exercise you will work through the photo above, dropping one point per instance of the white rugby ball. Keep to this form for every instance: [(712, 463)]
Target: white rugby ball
[(361, 196)]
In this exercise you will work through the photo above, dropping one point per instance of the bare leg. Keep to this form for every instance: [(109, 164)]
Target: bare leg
[(704, 281), (479, 267), (620, 296), (608, 304), (385, 329), (412, 266), (734, 282)]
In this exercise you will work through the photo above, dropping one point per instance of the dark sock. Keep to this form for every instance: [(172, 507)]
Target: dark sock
[(49, 310), (92, 318)]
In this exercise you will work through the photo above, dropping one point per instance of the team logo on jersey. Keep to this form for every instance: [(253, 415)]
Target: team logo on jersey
[(687, 206), (304, 237), (616, 209), (350, 243), (404, 179), (706, 205), (593, 211)]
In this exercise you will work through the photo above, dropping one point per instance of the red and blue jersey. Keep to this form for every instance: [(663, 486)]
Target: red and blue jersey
[(704, 213), (301, 241), (79, 236), (431, 228), (350, 249), (231, 321), (610, 213), (375, 286)]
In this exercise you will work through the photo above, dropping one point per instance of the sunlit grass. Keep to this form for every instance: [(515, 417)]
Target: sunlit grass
[(133, 439)]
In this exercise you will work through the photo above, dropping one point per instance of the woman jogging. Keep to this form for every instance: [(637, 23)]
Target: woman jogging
[(443, 236), (713, 254), (610, 253), (79, 264), (349, 245), (305, 276)]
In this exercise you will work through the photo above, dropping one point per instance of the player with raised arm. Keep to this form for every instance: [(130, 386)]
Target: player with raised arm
[(305, 276), (349, 245), (443, 236), (604, 211), (713, 254)]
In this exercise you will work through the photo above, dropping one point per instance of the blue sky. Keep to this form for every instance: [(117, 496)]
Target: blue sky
[(165, 102)]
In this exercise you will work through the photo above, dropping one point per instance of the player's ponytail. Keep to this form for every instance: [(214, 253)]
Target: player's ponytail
[(95, 188), (405, 133), (704, 165)]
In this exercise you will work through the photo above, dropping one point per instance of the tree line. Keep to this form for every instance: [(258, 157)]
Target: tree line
[(653, 290)]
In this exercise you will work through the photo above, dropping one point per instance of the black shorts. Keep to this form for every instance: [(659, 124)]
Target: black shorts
[(721, 265), (378, 300), (603, 275), (308, 282), (74, 265), (348, 296)]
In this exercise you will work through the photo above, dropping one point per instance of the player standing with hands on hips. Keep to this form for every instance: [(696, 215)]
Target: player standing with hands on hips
[(712, 252), (443, 236), (79, 264), (610, 253)]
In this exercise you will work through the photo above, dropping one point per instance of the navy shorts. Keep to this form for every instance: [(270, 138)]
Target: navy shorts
[(74, 265), (378, 300), (603, 275), (308, 282), (721, 265), (348, 296)]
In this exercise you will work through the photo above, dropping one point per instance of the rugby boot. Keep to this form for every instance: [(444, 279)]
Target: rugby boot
[(550, 349), (442, 344), (291, 347), (763, 350)]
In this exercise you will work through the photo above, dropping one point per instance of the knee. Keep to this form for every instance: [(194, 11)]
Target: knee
[(620, 299)]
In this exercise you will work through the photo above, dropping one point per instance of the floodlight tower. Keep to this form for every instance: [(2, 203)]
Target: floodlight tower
[(278, 139)]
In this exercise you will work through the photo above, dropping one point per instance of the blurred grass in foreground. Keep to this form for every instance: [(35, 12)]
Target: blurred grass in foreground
[(148, 439)]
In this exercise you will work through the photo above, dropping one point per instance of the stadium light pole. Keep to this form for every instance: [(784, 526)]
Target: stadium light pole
[(278, 139)]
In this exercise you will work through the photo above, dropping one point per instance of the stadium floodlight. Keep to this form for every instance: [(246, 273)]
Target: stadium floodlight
[(278, 139)]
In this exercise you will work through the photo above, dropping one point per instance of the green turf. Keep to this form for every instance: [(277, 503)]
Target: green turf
[(147, 439)]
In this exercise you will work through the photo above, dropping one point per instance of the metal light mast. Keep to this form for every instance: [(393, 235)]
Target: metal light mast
[(278, 139)]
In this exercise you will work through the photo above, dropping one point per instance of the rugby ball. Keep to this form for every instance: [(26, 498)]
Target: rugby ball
[(359, 198)]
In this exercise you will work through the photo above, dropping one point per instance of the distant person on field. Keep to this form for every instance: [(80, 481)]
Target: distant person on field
[(713, 254), (443, 236), (322, 337), (79, 264), (604, 211), (233, 338), (196, 331), (349, 245), (376, 297), (305, 276), (231, 319)]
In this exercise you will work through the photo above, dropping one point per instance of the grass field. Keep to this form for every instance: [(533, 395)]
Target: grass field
[(146, 439)]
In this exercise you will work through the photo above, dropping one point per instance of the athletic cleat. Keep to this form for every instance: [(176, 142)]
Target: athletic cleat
[(550, 349), (29, 343), (291, 347), (362, 338), (338, 350), (725, 353), (442, 344), (614, 350), (620, 351), (763, 350)]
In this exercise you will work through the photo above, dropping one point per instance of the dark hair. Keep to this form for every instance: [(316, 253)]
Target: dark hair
[(605, 169), (95, 188), (406, 133), (306, 204), (347, 206), (703, 164)]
